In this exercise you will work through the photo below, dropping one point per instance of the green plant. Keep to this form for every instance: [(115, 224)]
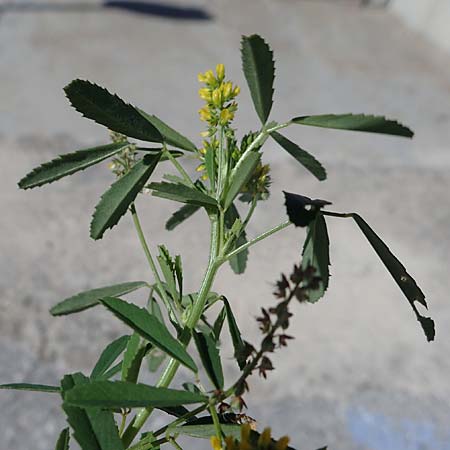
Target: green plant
[(98, 407)]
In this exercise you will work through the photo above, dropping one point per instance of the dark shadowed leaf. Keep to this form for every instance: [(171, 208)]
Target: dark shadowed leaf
[(210, 357), (63, 440), (296, 207), (403, 279), (218, 323), (241, 176), (108, 356), (169, 135), (356, 122), (259, 71), (316, 253), (94, 428), (115, 201), (150, 328), (120, 394), (236, 338), (30, 387), (302, 156), (182, 193), (107, 109), (87, 299), (181, 215), (68, 164)]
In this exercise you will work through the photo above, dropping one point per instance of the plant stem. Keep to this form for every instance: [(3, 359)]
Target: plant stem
[(262, 236), (216, 422), (150, 259), (179, 167)]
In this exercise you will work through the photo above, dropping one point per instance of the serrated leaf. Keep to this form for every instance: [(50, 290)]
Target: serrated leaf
[(115, 201), (404, 280), (132, 359), (218, 323), (316, 253), (170, 136), (302, 156), (108, 356), (30, 387), (168, 270), (356, 122), (63, 440), (94, 428), (120, 394), (181, 215), (240, 177), (238, 263), (210, 357), (164, 157), (296, 208), (238, 343), (203, 428), (259, 71), (88, 299), (150, 328), (107, 109), (182, 193), (68, 164)]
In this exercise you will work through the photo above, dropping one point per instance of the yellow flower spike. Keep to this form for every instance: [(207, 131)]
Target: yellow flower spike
[(220, 71), (209, 77), (205, 94), (216, 97), (282, 443), (215, 443), (226, 116), (264, 439)]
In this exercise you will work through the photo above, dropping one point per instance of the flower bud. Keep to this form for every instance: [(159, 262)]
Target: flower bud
[(215, 443), (220, 71), (236, 91), (205, 94), (227, 89), (209, 77), (226, 116), (217, 97), (205, 114)]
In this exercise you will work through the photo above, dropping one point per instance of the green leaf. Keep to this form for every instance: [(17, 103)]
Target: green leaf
[(68, 164), (155, 151), (316, 253), (240, 177), (169, 135), (235, 334), (120, 394), (132, 359), (259, 71), (181, 215), (116, 200), (96, 103), (63, 441), (87, 299), (178, 266), (150, 328), (203, 428), (238, 263), (182, 193), (94, 428), (113, 371), (209, 354), (218, 323), (168, 270), (30, 387), (356, 122), (108, 356), (302, 156), (404, 280)]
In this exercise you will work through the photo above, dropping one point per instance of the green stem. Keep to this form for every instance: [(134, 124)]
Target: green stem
[(179, 167), (150, 259), (262, 236), (216, 422)]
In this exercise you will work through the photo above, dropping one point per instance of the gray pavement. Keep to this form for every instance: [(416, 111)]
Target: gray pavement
[(359, 375)]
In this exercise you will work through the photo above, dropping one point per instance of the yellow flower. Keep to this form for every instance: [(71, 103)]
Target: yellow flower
[(226, 116), (236, 91), (205, 114), (205, 94), (215, 443), (204, 133), (207, 77), (217, 97), (220, 71), (264, 439), (200, 168), (227, 89)]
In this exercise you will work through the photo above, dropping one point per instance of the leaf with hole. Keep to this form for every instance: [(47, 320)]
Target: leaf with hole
[(259, 71), (302, 156), (108, 356), (107, 109), (302, 210), (356, 122), (68, 164), (115, 201), (150, 328), (120, 394), (398, 272), (316, 253), (88, 299)]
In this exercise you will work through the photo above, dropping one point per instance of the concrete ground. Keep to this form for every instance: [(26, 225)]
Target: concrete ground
[(360, 375)]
